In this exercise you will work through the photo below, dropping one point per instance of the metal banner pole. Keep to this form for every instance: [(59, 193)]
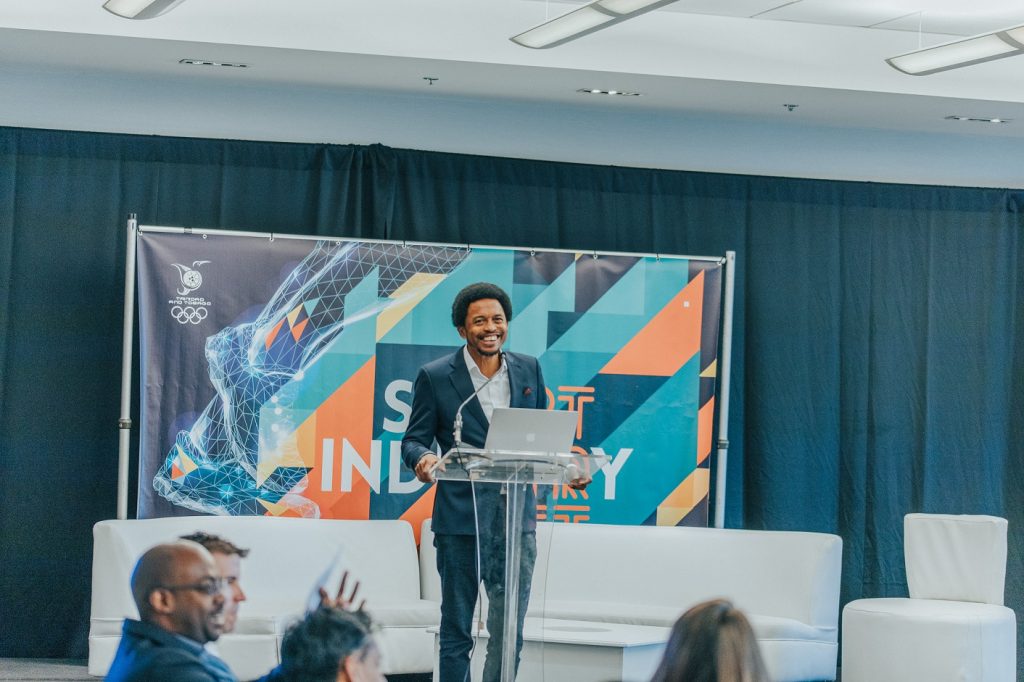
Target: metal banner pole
[(722, 456), (124, 423)]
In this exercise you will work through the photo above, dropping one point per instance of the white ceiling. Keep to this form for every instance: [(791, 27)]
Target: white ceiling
[(730, 58)]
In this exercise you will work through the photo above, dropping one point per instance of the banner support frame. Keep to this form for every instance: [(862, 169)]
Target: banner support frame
[(134, 230), (722, 455), (124, 423), (271, 236)]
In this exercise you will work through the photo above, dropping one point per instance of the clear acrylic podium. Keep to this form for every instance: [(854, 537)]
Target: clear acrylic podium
[(515, 469)]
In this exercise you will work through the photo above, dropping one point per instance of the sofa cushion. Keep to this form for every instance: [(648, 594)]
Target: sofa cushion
[(765, 627), (415, 613), (920, 640), (605, 612), (776, 628), (960, 557), (798, 660), (105, 627), (262, 625)]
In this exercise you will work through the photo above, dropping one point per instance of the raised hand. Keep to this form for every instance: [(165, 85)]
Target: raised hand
[(341, 600)]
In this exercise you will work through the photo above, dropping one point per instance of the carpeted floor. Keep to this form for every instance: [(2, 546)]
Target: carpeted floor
[(60, 670), (43, 669)]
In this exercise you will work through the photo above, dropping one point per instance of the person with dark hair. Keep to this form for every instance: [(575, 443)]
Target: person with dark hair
[(180, 597), (481, 313), (712, 642), (477, 292), (329, 645), (228, 558)]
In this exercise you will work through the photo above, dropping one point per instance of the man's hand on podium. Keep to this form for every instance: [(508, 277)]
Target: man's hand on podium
[(576, 479), (425, 467), (580, 483)]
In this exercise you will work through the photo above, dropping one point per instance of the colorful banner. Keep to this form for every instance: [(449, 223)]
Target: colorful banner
[(277, 373)]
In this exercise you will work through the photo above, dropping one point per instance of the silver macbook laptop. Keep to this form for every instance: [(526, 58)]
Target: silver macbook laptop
[(515, 428)]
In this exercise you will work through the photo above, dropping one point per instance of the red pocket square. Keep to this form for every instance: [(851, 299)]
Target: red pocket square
[(527, 391)]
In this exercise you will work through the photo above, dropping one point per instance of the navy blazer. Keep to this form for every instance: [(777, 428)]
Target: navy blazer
[(441, 386), (148, 653)]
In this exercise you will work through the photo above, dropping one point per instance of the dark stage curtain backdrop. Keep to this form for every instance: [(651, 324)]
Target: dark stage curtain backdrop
[(878, 363)]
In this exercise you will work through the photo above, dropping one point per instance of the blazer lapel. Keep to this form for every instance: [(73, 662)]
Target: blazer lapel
[(520, 389), (463, 385)]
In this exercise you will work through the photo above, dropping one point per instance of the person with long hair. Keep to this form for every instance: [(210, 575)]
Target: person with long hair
[(712, 642)]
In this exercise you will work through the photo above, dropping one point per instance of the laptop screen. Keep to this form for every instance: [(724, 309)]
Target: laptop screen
[(526, 430)]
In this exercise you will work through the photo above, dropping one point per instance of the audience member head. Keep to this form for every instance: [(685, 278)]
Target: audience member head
[(478, 292), (228, 557), (331, 645), (177, 587), (712, 642)]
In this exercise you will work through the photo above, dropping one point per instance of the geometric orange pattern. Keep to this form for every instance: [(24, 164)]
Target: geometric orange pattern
[(705, 421), (420, 510), (684, 498), (660, 349), (182, 465), (297, 319), (345, 414)]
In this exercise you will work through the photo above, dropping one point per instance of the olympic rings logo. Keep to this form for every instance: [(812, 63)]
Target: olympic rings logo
[(188, 314)]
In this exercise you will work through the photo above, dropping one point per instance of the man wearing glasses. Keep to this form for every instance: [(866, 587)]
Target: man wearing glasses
[(227, 556), (180, 596)]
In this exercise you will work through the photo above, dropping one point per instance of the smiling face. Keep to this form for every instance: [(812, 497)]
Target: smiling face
[(191, 602), (230, 567), (485, 328)]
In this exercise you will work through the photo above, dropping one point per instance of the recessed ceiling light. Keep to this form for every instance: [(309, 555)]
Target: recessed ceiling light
[(978, 120), (598, 91), (207, 62)]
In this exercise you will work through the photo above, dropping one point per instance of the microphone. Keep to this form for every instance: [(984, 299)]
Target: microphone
[(458, 413)]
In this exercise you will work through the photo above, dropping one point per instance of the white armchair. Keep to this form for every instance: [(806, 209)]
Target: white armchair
[(954, 625)]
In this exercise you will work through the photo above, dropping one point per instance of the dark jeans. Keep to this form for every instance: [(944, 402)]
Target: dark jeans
[(456, 562)]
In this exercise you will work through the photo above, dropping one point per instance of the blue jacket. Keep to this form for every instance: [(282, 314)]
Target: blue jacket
[(440, 388), (148, 653)]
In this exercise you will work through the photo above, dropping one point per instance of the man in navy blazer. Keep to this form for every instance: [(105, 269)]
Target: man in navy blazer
[(480, 313), (180, 596)]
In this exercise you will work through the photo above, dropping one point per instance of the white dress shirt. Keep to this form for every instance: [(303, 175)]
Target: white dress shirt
[(497, 394)]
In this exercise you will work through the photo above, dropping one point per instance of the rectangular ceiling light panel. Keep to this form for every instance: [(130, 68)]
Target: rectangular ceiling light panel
[(955, 55), (564, 28), (140, 9), (622, 7), (587, 19)]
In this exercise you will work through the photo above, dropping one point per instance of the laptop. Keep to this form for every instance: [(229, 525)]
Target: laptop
[(522, 429)]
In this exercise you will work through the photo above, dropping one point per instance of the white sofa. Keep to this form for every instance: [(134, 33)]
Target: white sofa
[(287, 557), (786, 582)]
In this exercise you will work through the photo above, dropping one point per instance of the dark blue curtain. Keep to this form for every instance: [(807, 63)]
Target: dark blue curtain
[(878, 364)]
